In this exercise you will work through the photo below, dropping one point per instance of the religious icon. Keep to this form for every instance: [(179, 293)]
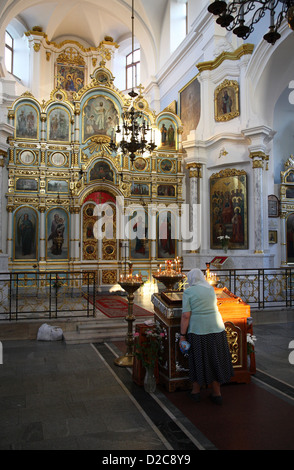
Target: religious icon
[(26, 184), (140, 164), (227, 101), (166, 190), (101, 171), (26, 122), (58, 129), (25, 239), (272, 237), (168, 134), (27, 157), (70, 78), (166, 235), (190, 106), (100, 117), (58, 186), (228, 209), (57, 234), (141, 189), (273, 205), (139, 246), (58, 159), (166, 166)]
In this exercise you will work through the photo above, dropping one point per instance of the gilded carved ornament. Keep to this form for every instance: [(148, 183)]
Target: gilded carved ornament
[(194, 170), (38, 33), (257, 164), (59, 95), (290, 162), (233, 341), (229, 172), (37, 46), (245, 49), (258, 159), (71, 56), (98, 144), (109, 277)]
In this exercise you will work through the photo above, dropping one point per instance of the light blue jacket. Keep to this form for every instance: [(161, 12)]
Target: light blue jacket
[(202, 303)]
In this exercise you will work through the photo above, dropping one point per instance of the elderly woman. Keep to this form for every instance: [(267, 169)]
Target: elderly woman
[(203, 327)]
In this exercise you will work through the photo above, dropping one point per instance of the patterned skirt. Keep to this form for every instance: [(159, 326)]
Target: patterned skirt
[(209, 358)]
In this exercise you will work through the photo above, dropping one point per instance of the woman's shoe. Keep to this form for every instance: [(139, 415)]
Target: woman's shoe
[(216, 399), (195, 396)]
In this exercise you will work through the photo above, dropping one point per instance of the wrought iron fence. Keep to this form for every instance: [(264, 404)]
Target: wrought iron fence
[(261, 288), (30, 295)]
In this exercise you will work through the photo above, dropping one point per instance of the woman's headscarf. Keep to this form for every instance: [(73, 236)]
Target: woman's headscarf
[(195, 276)]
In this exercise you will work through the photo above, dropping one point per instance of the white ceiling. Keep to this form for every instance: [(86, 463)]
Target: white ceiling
[(89, 21), (92, 20)]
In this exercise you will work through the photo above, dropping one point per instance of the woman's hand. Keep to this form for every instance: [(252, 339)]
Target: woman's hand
[(182, 338)]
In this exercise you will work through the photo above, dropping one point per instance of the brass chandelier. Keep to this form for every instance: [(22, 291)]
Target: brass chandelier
[(232, 16), (134, 127)]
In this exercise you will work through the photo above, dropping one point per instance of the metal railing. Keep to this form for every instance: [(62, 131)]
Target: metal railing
[(261, 288), (30, 295)]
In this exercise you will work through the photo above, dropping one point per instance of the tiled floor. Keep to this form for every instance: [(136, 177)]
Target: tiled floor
[(58, 396)]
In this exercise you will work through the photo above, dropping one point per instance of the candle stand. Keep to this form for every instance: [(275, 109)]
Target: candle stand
[(211, 278), (170, 275), (130, 284)]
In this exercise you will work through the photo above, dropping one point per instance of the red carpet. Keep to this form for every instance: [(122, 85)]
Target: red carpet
[(250, 418), (115, 307)]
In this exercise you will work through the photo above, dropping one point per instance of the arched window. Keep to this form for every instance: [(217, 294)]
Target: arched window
[(8, 52), (133, 69)]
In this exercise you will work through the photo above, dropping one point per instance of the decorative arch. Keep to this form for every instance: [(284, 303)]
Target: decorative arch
[(169, 126), (263, 78)]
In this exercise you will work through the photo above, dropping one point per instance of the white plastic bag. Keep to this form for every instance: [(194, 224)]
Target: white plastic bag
[(49, 333)]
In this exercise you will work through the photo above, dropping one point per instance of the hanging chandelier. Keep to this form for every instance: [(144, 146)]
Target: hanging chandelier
[(134, 126), (231, 15)]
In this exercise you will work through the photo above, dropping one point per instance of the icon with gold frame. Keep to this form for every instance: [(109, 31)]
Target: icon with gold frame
[(226, 101)]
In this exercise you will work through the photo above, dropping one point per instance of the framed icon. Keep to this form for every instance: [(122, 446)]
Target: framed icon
[(273, 206), (226, 101), (27, 157), (273, 236)]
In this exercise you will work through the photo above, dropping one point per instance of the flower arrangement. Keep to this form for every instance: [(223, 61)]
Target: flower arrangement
[(57, 283), (251, 339), (149, 350), (224, 240)]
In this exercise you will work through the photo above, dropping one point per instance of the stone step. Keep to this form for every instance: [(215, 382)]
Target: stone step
[(100, 331)]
